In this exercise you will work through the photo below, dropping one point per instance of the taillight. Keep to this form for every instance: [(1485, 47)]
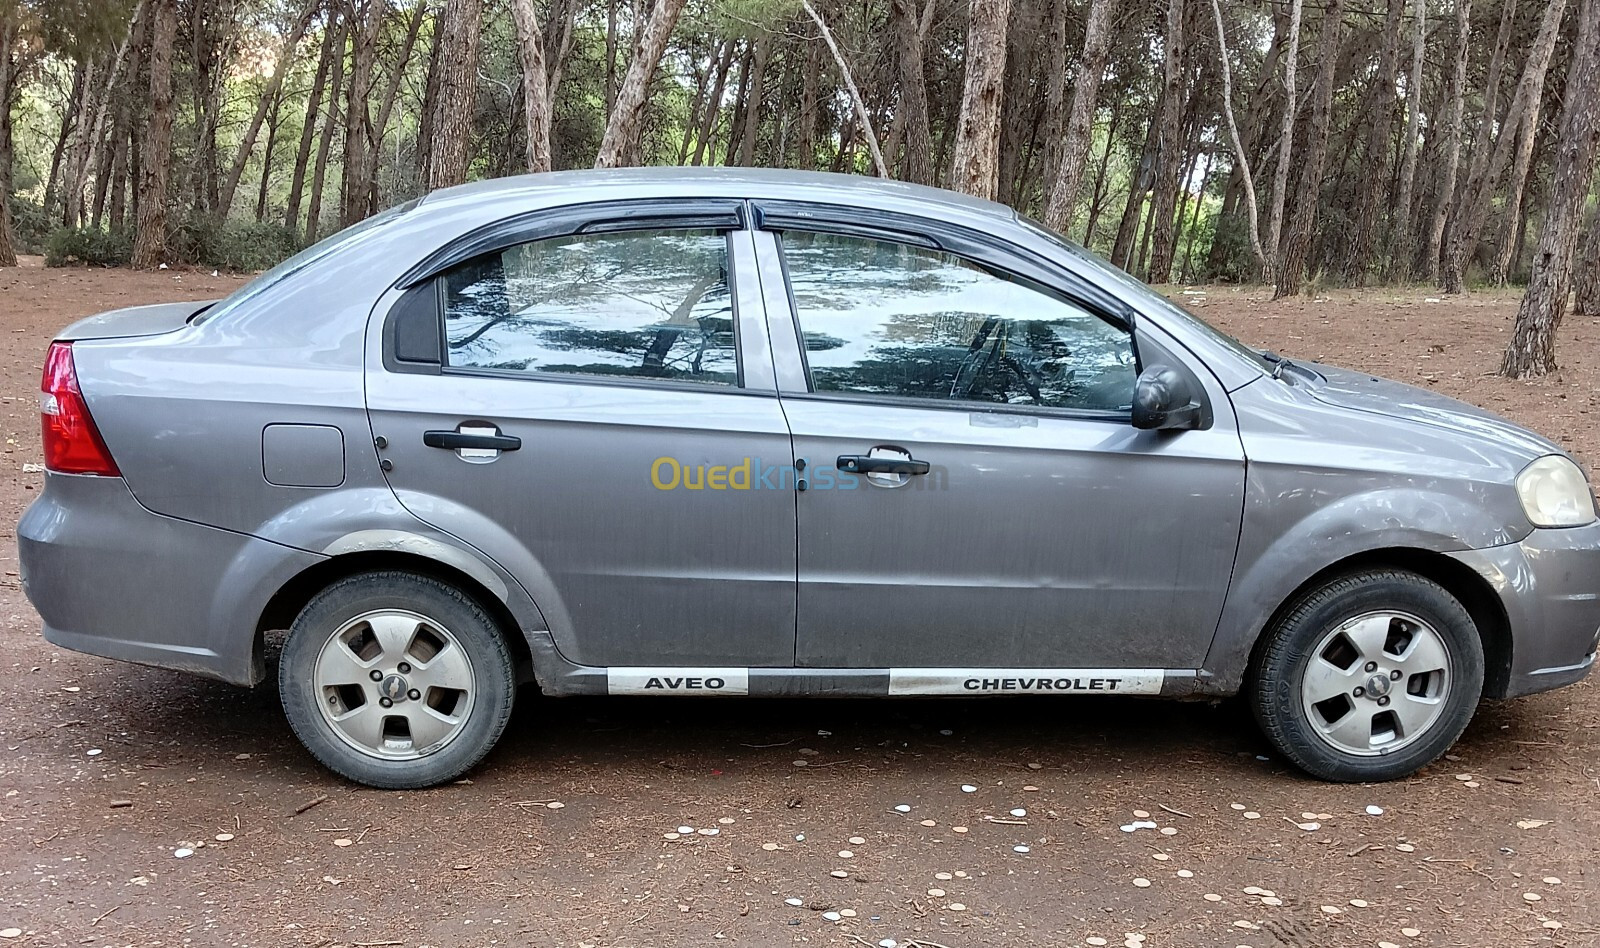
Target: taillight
[(72, 444)]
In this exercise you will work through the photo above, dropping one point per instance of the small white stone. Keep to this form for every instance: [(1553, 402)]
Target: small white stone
[(1169, 831), (794, 902), (770, 847), (956, 907), (848, 913), (1374, 811), (223, 837), (1406, 848), (1271, 900), (1020, 849), (1332, 910), (936, 893), (928, 822), (832, 916), (726, 821), (1463, 777), (1411, 932), (1309, 827), (1252, 815), (710, 831), (671, 835), (799, 837), (10, 933), (857, 841), (342, 842), (183, 853), (1359, 903), (1185, 874), (1552, 924), (1236, 806), (888, 943), (685, 830), (846, 854), (1552, 880), (839, 874), (1160, 857), (1019, 812), (95, 752), (1096, 940), (1141, 814), (1142, 883), (958, 829), (1531, 897), (943, 876), (968, 788), (903, 808), (1212, 897)]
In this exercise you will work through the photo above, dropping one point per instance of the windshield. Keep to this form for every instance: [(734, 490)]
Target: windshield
[(1143, 294), (300, 261)]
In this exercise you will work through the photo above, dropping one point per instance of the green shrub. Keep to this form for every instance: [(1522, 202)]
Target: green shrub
[(232, 245), (30, 225), (101, 248)]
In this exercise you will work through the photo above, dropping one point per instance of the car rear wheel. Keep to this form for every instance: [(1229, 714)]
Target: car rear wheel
[(396, 680), (1370, 677)]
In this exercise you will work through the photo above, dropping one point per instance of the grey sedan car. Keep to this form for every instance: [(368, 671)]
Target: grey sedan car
[(729, 433)]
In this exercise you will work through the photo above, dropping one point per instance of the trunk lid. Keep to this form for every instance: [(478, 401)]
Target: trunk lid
[(151, 320)]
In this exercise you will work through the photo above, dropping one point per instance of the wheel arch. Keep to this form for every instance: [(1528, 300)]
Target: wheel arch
[(284, 605), (1458, 579)]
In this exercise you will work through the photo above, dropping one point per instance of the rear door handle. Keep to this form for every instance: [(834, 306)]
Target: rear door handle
[(461, 440), (868, 464)]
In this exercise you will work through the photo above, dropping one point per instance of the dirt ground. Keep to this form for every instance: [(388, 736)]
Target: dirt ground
[(107, 770)]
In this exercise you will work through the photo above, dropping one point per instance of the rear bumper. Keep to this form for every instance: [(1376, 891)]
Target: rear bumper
[(111, 578), (1549, 585)]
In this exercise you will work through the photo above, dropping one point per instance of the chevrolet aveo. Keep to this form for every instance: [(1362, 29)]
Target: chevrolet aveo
[(762, 433)]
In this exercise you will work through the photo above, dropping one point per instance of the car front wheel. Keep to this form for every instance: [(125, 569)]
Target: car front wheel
[(1370, 677), (396, 680)]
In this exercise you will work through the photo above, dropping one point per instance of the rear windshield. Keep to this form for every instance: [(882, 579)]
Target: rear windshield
[(301, 260)]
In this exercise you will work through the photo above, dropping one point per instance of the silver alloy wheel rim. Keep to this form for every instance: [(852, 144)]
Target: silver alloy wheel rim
[(1376, 683), (394, 685)]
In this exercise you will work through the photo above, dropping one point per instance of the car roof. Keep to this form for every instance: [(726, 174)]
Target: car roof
[(752, 183)]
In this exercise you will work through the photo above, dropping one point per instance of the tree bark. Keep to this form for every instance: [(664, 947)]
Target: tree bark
[(9, 73), (975, 168), (1375, 147), (1474, 206), (535, 85), (760, 51), (713, 107), (1079, 131), (1532, 350), (458, 93), (1401, 242), (863, 117), (620, 146), (69, 123), (1169, 157), (1512, 217), (1432, 260), (1586, 279), (1241, 160), (150, 242), (269, 99), (1297, 242), (1280, 175), (308, 130), (909, 42), (330, 126), (1123, 248), (360, 136)]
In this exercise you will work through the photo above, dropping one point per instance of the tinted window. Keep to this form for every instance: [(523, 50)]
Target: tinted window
[(649, 304), (882, 318)]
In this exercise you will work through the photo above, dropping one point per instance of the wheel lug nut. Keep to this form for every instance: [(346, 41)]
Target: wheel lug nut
[(1383, 702), (1359, 692), (385, 702), (376, 675), (405, 668), (1394, 675), (414, 694), (1372, 666)]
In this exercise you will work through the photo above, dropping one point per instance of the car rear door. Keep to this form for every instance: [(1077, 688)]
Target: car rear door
[(586, 398), (980, 515)]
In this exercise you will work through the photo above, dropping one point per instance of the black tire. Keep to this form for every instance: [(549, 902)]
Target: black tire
[(493, 686), (1286, 652)]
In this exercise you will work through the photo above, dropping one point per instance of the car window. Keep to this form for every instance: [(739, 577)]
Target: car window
[(645, 304), (883, 318)]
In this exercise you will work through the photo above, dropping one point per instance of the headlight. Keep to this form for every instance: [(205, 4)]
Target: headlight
[(1554, 493)]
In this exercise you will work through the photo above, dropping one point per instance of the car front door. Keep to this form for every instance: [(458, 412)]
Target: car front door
[(979, 513), (589, 407)]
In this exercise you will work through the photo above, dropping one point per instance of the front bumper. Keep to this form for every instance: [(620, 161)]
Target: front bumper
[(111, 578), (1549, 585)]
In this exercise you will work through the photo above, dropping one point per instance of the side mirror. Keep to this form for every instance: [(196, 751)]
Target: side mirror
[(1163, 399)]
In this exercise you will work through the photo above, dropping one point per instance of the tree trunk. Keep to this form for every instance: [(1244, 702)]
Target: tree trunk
[(1375, 148), (266, 159), (1512, 217), (1122, 250), (535, 85), (810, 78), (1169, 156), (713, 107), (761, 50), (1532, 350), (69, 122), (1097, 191), (1431, 256), (308, 130), (360, 137), (1241, 160), (1586, 279), (391, 93), (150, 243), (620, 146), (330, 126), (1474, 206), (9, 73), (863, 118), (78, 154), (976, 166), (908, 35), (269, 99), (1297, 242), (1079, 131), (1398, 256), (1280, 175), (458, 93)]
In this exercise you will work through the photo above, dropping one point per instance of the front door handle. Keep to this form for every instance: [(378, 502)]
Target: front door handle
[(462, 440), (869, 464)]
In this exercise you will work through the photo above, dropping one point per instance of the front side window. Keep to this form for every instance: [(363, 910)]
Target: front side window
[(882, 318), (647, 304)]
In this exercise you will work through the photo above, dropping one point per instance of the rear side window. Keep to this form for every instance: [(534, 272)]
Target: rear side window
[(651, 304), (887, 319)]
